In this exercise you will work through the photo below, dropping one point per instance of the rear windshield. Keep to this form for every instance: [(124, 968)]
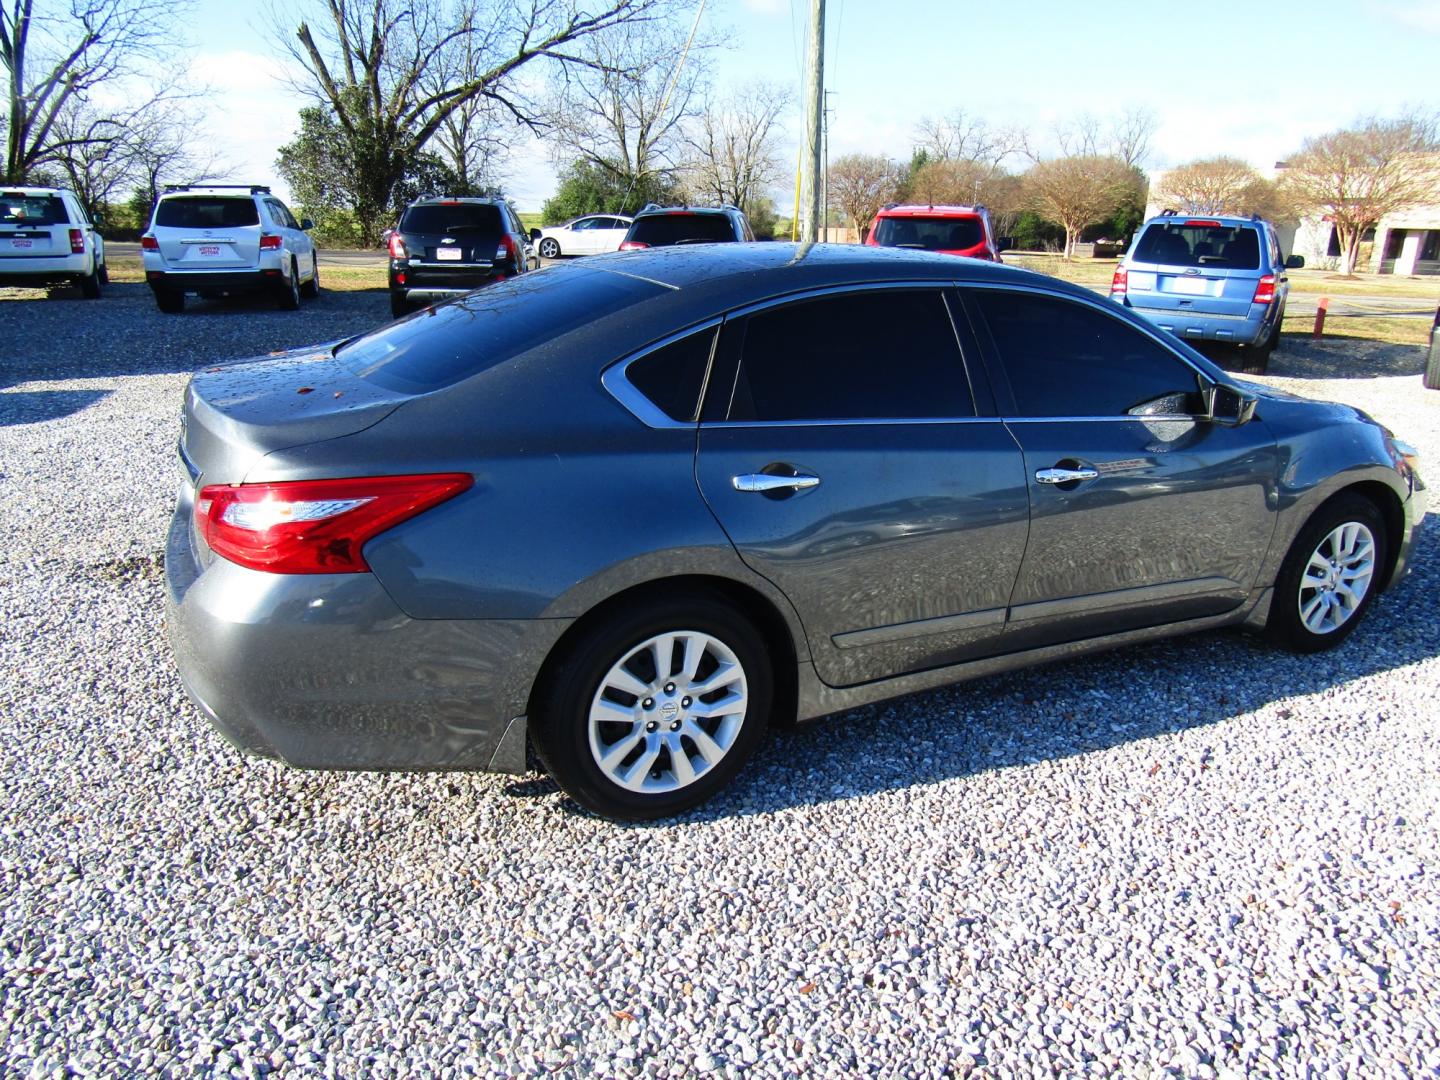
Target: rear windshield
[(206, 212), (444, 344), (929, 233), (662, 230), (450, 219), (1223, 247), (18, 209)]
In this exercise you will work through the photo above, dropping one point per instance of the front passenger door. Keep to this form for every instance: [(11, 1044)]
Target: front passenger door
[(1142, 512)]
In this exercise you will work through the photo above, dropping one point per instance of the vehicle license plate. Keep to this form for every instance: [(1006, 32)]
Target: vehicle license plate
[(209, 249), (1192, 286), (447, 254), (22, 244)]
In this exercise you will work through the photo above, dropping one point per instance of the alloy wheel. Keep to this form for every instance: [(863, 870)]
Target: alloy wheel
[(1337, 577)]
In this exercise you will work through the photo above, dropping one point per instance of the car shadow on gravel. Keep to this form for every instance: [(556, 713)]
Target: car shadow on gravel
[(37, 406), (1344, 358), (123, 333), (1061, 710)]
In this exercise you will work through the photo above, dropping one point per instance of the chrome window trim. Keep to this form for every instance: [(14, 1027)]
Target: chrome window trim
[(615, 380), (862, 421), (1105, 306)]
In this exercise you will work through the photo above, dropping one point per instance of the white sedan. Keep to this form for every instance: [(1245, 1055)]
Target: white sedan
[(590, 235)]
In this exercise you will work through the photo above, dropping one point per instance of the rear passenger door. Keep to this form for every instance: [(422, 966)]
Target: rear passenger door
[(1142, 512), (841, 450)]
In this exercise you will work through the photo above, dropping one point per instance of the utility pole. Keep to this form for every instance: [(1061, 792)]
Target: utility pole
[(810, 173), (825, 173)]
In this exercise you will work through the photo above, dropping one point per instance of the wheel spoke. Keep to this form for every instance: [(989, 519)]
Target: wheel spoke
[(709, 749), (621, 679), (1320, 563), (617, 752), (634, 776), (723, 675), (680, 763), (694, 653), (663, 649), (1313, 581), (730, 703)]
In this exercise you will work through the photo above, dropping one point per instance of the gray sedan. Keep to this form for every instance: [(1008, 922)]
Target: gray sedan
[(629, 512)]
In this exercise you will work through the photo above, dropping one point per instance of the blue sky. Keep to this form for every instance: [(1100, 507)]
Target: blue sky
[(1249, 79)]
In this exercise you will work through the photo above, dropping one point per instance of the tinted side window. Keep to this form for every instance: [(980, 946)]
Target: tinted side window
[(1065, 358), (673, 375), (889, 354)]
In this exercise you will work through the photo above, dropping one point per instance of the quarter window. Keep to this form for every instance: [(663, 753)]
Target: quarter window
[(1065, 358), (888, 354), (673, 374)]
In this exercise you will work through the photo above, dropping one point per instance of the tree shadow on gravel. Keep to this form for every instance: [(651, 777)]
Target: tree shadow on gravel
[(1061, 710), (37, 406), (123, 333)]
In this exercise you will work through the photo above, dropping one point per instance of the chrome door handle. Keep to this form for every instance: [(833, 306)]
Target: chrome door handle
[(766, 482), (1064, 476)]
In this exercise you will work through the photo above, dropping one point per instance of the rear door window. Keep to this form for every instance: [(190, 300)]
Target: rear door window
[(886, 354), (453, 341), (662, 230), (452, 219), (929, 233), (18, 210), (206, 212), (1065, 358), (1199, 244)]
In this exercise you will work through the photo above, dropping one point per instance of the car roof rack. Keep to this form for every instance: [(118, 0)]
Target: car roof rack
[(254, 189)]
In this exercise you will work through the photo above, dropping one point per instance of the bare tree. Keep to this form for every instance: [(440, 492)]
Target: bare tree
[(1078, 191), (861, 184), (734, 152), (475, 139), (1219, 185), (960, 136), (624, 109), (54, 59), (1357, 176), (1129, 135), (167, 146), (371, 64), (1080, 136)]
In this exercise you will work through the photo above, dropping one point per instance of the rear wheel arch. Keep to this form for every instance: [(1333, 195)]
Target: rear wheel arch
[(754, 606)]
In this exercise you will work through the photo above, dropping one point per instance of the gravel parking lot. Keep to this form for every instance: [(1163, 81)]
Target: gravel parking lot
[(1198, 858)]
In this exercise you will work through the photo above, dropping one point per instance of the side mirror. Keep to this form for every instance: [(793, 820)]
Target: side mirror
[(97, 221), (306, 224), (534, 234), (1295, 262), (1228, 406)]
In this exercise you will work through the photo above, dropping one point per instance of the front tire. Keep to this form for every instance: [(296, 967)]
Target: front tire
[(1330, 576), (549, 248), (655, 708)]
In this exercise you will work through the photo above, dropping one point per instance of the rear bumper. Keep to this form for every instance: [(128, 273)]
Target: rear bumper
[(1251, 328), (33, 271), (226, 281), (433, 281), (325, 671)]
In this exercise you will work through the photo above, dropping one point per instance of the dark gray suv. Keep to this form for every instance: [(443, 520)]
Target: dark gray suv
[(632, 510)]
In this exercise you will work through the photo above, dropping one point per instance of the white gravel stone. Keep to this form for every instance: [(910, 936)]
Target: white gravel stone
[(1201, 857)]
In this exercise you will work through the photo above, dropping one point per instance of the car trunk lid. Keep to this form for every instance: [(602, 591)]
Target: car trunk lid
[(1198, 265), (33, 226), (460, 233), (207, 232)]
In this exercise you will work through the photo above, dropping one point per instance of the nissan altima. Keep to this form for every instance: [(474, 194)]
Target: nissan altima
[(626, 513)]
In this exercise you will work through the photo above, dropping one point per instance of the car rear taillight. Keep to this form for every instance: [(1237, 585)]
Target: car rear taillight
[(269, 243), (1120, 282), (506, 250), (77, 242), (1264, 290), (633, 245), (397, 247), (149, 243), (314, 526)]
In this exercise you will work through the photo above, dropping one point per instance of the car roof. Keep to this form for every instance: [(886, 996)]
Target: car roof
[(658, 211), (928, 210), (1222, 219), (27, 190), (450, 200), (738, 273)]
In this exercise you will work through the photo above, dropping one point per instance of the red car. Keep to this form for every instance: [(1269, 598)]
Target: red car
[(952, 230)]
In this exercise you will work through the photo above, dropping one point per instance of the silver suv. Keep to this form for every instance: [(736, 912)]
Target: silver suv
[(225, 239), (46, 238)]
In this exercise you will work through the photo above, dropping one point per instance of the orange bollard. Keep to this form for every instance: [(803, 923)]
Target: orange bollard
[(1320, 309)]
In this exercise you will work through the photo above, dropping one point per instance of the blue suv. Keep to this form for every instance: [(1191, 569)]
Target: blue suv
[(1218, 279)]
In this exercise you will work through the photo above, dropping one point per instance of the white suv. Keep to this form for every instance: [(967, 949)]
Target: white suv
[(46, 238), (223, 239)]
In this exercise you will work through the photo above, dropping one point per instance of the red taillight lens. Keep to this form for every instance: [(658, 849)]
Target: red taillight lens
[(1120, 282), (269, 243), (77, 242), (397, 247), (632, 245), (149, 243), (1264, 290), (1198, 223), (506, 250), (314, 526)]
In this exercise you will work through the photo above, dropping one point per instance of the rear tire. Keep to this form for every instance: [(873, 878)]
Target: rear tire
[(289, 296), (90, 285), (311, 289), (399, 306), (1432, 366), (170, 301), (1329, 578), (104, 272), (684, 748)]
